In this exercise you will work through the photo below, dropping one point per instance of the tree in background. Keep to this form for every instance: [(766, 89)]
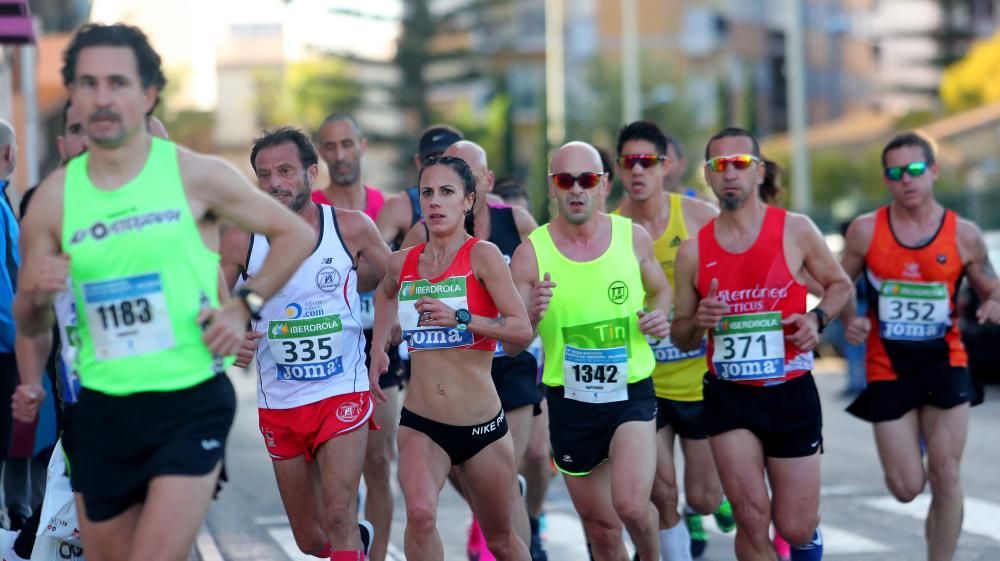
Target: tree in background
[(305, 92), (975, 79)]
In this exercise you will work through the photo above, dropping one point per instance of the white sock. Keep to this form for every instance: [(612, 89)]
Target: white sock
[(675, 543)]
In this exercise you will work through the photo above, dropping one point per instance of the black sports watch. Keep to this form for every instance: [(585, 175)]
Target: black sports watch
[(821, 317), (253, 301), (463, 317)]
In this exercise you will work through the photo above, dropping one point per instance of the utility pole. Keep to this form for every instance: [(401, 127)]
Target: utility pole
[(631, 91), (798, 116), (555, 72)]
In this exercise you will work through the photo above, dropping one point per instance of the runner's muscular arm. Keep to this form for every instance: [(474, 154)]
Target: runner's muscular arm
[(685, 331), (394, 217), (524, 273), (982, 276), (371, 254), (416, 236), (44, 268), (654, 320), (856, 242), (512, 327), (223, 191), (821, 265)]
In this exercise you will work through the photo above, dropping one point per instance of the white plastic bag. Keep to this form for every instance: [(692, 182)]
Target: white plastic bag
[(58, 521), (51, 549)]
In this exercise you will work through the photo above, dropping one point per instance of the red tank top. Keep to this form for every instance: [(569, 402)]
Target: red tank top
[(912, 293), (374, 199), (458, 288), (749, 346)]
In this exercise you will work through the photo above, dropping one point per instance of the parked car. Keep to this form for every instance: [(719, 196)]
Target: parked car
[(981, 341)]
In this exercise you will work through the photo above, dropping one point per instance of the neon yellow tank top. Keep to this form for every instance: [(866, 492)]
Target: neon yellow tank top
[(590, 333), (140, 274), (677, 375)]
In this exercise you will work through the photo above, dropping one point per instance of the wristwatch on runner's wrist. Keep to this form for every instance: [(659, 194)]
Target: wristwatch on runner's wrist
[(253, 301), (821, 318), (463, 317)]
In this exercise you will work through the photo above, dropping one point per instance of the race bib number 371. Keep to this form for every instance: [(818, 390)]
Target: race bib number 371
[(749, 347), (127, 317)]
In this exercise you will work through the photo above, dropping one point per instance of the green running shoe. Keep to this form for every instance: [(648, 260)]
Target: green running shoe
[(724, 516), (699, 539)]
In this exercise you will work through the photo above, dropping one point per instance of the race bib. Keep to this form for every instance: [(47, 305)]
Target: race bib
[(665, 351), (913, 311), (452, 292), (595, 361), (127, 317), (307, 350), (749, 347), (367, 310)]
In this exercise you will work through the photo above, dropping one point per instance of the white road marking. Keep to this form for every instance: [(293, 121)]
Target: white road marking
[(276, 520), (981, 517), (205, 544)]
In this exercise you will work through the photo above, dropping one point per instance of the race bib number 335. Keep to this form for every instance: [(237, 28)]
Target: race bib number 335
[(749, 347), (306, 350), (127, 316)]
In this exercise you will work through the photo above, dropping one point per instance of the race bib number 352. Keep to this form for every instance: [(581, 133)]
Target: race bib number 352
[(749, 347), (306, 350), (127, 316), (913, 311)]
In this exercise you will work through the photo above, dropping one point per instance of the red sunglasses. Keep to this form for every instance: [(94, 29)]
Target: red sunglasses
[(629, 161), (587, 179)]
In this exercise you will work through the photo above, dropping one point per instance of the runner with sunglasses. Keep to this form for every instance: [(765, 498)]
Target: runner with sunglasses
[(742, 279), (594, 288), (668, 218), (914, 253), (454, 299)]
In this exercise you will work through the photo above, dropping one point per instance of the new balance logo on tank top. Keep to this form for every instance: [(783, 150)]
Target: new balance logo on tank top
[(913, 290), (748, 345), (313, 346), (457, 287)]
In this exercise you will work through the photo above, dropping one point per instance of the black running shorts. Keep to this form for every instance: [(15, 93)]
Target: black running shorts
[(120, 443), (786, 418), (581, 432)]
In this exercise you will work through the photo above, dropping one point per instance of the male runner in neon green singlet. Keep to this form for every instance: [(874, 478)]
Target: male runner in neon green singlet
[(135, 223)]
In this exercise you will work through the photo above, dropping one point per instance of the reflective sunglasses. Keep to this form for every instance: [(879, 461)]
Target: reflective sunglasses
[(587, 179), (629, 161), (739, 161), (915, 169)]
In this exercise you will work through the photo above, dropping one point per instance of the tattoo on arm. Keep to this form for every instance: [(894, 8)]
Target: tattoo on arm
[(499, 320)]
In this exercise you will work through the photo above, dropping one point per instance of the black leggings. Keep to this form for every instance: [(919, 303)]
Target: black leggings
[(460, 442)]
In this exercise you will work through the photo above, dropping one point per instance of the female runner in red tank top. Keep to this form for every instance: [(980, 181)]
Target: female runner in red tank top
[(454, 298)]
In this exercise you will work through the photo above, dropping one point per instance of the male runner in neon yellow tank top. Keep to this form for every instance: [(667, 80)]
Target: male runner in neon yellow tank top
[(139, 236), (669, 219), (594, 290)]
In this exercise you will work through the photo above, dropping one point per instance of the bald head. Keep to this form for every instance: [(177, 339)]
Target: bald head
[(576, 157), (471, 153), (474, 155), (8, 149)]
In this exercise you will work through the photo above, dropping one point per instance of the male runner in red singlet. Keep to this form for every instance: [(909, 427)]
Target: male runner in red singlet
[(742, 279), (914, 253)]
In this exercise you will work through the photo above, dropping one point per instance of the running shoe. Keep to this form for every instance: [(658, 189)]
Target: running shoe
[(367, 535), (699, 539), (476, 546), (536, 550), (782, 548), (724, 518)]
